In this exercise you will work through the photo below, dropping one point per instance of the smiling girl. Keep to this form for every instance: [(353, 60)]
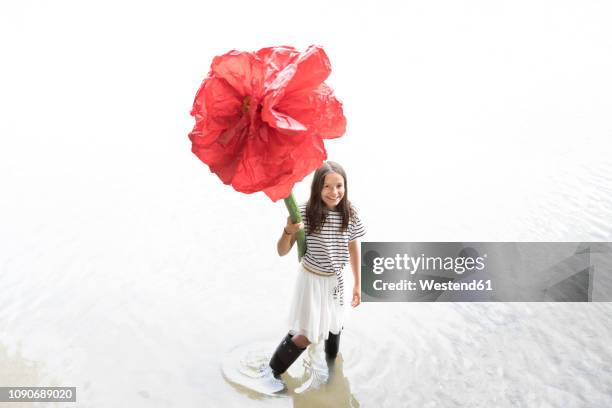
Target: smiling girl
[(332, 229)]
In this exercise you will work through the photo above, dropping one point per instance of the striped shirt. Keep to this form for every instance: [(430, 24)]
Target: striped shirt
[(327, 250)]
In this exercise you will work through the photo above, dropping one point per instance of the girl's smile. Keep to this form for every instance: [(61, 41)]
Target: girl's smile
[(333, 190)]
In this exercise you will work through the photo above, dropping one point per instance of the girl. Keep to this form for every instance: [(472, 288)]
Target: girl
[(332, 228)]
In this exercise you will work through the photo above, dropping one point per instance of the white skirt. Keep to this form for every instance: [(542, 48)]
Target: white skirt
[(314, 312)]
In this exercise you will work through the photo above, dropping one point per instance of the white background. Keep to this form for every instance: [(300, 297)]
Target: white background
[(121, 253)]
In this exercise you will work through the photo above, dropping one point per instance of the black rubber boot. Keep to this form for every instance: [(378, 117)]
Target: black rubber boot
[(332, 345), (286, 353)]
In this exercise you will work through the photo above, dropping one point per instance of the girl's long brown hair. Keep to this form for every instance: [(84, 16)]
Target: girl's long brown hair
[(316, 212)]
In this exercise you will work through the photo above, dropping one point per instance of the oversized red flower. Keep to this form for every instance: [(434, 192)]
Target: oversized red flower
[(261, 118)]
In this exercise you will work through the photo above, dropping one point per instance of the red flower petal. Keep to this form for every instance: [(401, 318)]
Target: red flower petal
[(312, 68), (276, 59), (241, 70), (318, 110), (222, 103), (304, 155), (298, 84), (225, 153)]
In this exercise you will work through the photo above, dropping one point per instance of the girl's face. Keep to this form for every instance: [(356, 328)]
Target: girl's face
[(333, 190)]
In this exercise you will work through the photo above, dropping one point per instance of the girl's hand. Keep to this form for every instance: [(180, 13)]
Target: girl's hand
[(292, 228), (356, 296)]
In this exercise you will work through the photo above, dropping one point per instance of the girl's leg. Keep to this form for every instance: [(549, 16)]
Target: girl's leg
[(301, 341), (286, 353), (332, 345)]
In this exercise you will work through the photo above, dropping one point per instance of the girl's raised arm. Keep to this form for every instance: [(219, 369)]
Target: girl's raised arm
[(287, 239)]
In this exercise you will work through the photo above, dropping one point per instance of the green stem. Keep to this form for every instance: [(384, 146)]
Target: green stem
[(296, 217)]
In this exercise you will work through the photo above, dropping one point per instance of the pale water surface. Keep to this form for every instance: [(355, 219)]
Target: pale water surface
[(136, 303)]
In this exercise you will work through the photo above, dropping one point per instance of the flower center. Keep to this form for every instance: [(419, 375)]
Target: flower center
[(246, 104)]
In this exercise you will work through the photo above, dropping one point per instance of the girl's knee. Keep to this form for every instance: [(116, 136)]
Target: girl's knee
[(301, 341)]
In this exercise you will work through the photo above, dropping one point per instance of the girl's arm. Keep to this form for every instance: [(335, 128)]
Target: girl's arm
[(355, 266), (287, 239)]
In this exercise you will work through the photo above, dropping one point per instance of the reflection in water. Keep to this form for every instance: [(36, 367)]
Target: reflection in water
[(335, 393), (311, 381), (17, 371)]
